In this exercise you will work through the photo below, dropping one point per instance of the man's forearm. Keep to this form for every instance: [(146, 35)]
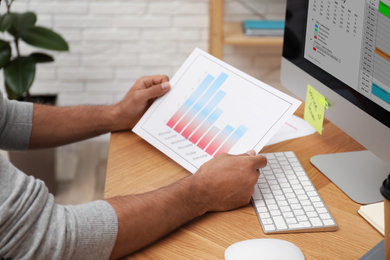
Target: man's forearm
[(147, 217), (54, 126)]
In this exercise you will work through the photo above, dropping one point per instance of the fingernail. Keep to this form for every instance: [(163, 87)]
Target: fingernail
[(164, 85), (251, 152)]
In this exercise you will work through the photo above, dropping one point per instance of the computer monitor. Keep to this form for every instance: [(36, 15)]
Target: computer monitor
[(342, 49)]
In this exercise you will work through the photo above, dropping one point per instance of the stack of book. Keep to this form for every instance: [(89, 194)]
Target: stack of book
[(263, 27)]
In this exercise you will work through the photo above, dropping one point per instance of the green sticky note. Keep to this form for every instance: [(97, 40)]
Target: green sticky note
[(315, 108)]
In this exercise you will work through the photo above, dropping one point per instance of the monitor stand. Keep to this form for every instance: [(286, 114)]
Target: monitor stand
[(358, 174)]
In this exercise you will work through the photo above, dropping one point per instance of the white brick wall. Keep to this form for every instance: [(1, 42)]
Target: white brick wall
[(112, 43)]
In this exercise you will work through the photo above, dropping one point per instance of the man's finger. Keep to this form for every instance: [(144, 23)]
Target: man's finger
[(156, 90), (260, 161), (150, 81), (251, 153)]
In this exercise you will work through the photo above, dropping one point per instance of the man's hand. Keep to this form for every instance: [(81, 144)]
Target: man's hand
[(139, 98), (228, 180)]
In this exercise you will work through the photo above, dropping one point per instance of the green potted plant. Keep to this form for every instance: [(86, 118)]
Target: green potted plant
[(19, 69), (19, 72)]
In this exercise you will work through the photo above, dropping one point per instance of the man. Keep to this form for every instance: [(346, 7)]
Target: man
[(32, 226)]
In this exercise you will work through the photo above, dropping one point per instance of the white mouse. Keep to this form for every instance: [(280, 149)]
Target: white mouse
[(265, 249)]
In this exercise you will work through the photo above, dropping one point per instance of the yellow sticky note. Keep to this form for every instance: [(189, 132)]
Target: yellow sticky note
[(315, 108)]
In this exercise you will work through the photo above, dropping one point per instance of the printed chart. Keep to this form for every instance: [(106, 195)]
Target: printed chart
[(195, 119), (213, 108)]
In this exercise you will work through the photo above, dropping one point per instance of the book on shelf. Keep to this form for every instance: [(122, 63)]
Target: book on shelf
[(263, 27)]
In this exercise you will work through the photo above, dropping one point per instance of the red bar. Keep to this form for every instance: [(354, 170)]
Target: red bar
[(208, 137), (183, 122), (215, 144), (191, 128), (225, 147), (172, 122), (198, 133), (221, 137)]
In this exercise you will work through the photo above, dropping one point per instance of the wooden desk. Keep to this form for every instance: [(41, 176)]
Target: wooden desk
[(135, 166)]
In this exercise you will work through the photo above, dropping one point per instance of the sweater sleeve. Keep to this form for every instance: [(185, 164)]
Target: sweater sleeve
[(15, 124), (32, 226)]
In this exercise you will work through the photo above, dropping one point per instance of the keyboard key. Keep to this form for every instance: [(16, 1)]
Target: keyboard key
[(325, 216), (329, 222), (321, 210), (302, 218), (269, 227), (257, 195), (291, 221), (279, 222), (275, 213), (264, 215), (316, 222)]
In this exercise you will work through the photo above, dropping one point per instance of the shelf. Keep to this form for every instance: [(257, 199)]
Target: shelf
[(234, 35), (231, 33)]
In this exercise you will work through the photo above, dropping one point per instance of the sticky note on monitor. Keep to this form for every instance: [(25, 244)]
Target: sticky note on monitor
[(315, 108)]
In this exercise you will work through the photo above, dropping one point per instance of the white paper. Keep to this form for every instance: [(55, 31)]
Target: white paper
[(211, 107), (294, 127)]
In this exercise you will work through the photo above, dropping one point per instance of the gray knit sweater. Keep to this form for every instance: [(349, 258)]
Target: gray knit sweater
[(32, 226)]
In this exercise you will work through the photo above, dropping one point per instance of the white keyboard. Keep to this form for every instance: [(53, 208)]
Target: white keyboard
[(285, 199)]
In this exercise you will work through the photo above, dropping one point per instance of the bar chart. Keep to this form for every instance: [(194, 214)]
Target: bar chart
[(195, 118), (213, 108)]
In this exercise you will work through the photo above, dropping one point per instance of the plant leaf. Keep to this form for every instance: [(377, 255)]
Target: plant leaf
[(5, 53), (19, 74), (6, 21), (10, 93), (27, 19), (41, 57), (22, 21), (43, 38)]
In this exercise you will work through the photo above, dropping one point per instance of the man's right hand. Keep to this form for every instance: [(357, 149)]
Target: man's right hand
[(227, 181)]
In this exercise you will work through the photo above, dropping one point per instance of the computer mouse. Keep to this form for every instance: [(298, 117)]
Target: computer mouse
[(264, 249)]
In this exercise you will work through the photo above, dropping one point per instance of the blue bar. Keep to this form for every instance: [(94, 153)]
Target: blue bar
[(380, 93), (210, 106), (198, 91), (241, 130), (209, 93), (233, 139), (201, 102), (214, 116), (227, 130), (203, 114), (213, 103)]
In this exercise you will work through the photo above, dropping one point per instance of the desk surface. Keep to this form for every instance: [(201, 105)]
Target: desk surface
[(134, 166)]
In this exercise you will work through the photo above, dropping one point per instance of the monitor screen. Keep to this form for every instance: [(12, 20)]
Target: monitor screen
[(342, 49)]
